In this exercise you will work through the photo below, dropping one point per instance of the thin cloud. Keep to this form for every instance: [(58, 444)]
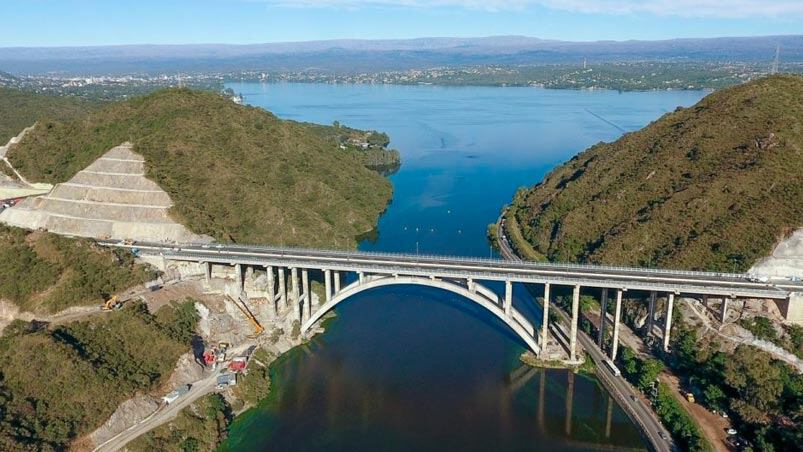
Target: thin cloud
[(684, 8)]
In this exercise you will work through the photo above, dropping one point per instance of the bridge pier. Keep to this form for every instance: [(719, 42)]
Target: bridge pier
[(651, 312), (307, 295), (296, 293), (361, 277), (327, 277), (271, 289), (668, 320), (207, 274), (573, 327), (337, 281), (724, 312), (603, 318), (238, 275), (545, 318), (470, 285), (282, 287), (617, 314), (508, 297)]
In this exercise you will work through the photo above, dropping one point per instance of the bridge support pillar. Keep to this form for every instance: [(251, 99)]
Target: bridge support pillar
[(603, 318), (651, 312), (361, 277), (307, 293), (282, 287), (470, 285), (271, 289), (508, 297), (336, 276), (207, 274), (724, 313), (545, 318), (617, 314), (238, 270), (668, 321), (327, 277), (296, 293), (573, 326)]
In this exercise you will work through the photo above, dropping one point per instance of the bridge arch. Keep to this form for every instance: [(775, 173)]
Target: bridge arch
[(516, 321)]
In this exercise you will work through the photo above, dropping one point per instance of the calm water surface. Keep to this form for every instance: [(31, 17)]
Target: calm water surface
[(411, 368)]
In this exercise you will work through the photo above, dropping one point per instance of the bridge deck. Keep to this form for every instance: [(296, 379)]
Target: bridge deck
[(678, 281)]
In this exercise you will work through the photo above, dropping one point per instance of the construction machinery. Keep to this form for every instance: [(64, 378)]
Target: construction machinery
[(112, 304), (243, 307)]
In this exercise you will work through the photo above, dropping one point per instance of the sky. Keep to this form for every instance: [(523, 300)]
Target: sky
[(35, 23)]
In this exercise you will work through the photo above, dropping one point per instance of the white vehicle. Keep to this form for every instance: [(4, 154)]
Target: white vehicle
[(759, 278), (613, 368)]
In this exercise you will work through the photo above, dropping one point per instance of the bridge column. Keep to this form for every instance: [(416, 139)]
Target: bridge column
[(337, 281), (470, 285), (603, 318), (724, 313), (207, 274), (296, 293), (545, 319), (271, 289), (238, 269), (361, 277), (651, 312), (327, 277), (508, 297), (307, 294), (573, 327), (282, 287), (668, 321), (617, 314)]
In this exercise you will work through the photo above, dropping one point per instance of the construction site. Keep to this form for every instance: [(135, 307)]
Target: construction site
[(113, 199)]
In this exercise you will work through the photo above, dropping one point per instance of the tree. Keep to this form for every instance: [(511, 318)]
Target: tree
[(757, 381), (648, 372), (714, 396)]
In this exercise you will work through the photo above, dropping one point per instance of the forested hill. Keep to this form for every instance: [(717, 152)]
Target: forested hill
[(20, 109), (713, 186), (234, 172)]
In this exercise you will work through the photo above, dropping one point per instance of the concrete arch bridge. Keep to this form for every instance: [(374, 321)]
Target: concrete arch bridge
[(286, 271)]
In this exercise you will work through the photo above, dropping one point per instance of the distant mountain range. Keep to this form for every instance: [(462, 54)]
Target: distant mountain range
[(382, 55)]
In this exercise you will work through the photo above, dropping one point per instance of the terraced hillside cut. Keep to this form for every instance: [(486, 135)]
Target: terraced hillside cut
[(111, 198)]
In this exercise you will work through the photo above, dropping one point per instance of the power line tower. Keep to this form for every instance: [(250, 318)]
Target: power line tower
[(774, 69)]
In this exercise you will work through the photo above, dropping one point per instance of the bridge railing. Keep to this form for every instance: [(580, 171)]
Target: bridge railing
[(480, 260)]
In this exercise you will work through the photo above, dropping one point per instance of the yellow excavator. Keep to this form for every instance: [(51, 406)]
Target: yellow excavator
[(112, 304)]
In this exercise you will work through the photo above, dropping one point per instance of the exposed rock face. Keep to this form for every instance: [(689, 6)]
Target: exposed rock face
[(109, 199), (786, 259)]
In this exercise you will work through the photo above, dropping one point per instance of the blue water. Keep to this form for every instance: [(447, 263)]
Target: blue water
[(416, 368)]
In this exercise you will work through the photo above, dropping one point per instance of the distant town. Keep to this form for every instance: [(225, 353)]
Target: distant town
[(624, 76)]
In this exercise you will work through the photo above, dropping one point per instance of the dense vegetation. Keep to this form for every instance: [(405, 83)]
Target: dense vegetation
[(234, 172), (19, 110), (58, 383), (200, 427), (44, 272), (713, 186), (763, 395), (643, 373)]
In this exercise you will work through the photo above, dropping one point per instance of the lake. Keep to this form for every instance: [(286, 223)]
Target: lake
[(412, 368)]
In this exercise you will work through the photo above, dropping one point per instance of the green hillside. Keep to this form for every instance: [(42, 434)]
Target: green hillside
[(235, 172), (61, 382), (713, 186), (20, 109), (43, 272)]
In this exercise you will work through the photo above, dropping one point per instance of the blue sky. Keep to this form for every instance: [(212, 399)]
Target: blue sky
[(103, 22)]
